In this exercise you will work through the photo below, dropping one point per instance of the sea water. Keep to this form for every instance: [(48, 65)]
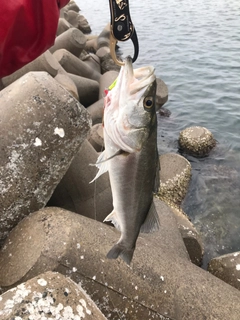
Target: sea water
[(195, 48)]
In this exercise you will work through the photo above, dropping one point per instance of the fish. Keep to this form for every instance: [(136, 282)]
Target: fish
[(131, 156)]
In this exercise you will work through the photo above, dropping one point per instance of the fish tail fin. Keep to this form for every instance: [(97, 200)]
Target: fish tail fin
[(119, 250)]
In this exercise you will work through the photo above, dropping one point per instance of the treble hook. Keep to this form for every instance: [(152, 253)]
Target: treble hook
[(121, 28)]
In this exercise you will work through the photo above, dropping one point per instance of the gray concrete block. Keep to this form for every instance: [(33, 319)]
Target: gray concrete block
[(75, 193), (45, 62), (160, 282), (74, 65), (88, 90), (72, 40), (48, 296), (42, 128)]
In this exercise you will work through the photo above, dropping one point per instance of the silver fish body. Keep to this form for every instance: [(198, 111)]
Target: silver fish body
[(130, 156)]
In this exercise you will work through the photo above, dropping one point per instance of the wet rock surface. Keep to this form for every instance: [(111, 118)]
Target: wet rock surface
[(175, 176), (197, 141), (48, 296), (227, 268)]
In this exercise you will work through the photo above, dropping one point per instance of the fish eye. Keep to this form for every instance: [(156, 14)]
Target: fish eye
[(148, 102)]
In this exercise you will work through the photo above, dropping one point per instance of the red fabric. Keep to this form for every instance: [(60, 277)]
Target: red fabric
[(27, 29)]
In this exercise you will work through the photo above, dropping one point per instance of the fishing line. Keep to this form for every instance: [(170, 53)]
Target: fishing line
[(95, 195)]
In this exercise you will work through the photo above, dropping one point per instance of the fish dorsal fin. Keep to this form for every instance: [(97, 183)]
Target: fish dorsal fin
[(151, 222), (112, 217), (101, 164)]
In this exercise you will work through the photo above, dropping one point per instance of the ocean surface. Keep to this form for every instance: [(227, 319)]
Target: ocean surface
[(195, 48)]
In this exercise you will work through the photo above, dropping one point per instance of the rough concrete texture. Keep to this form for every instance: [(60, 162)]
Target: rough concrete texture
[(161, 281), (93, 61), (161, 94), (96, 111), (63, 25), (74, 65), (96, 137), (190, 236), (105, 81), (45, 62), (42, 128), (48, 296), (103, 39), (77, 194), (68, 84), (78, 21), (197, 141), (65, 242), (72, 6), (91, 45), (84, 25), (227, 268), (72, 40), (88, 89), (175, 176), (107, 62)]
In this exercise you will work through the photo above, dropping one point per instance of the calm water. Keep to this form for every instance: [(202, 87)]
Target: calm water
[(195, 48)]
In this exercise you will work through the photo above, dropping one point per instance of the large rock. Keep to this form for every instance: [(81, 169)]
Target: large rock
[(72, 40), (63, 25), (227, 268), (175, 176), (77, 194), (74, 65), (48, 296), (161, 282), (96, 111), (106, 80), (42, 128), (161, 94), (87, 89), (45, 62), (190, 236), (197, 141)]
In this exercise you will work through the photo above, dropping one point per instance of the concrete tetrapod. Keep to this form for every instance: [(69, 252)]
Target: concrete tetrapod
[(45, 62), (42, 128), (72, 40), (48, 296), (161, 282), (74, 65), (77, 194)]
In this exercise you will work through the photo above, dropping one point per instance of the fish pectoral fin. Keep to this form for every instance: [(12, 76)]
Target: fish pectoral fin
[(151, 222), (101, 164), (113, 218)]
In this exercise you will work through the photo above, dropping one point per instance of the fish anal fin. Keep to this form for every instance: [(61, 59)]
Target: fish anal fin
[(119, 250), (151, 222), (113, 218)]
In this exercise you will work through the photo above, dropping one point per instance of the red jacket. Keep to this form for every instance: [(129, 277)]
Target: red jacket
[(27, 29)]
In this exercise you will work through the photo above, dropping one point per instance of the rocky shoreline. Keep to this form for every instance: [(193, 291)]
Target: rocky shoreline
[(53, 243)]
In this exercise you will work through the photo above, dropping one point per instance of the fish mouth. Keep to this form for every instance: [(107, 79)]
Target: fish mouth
[(132, 83), (138, 79)]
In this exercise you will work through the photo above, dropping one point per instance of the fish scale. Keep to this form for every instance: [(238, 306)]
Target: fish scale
[(130, 156)]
